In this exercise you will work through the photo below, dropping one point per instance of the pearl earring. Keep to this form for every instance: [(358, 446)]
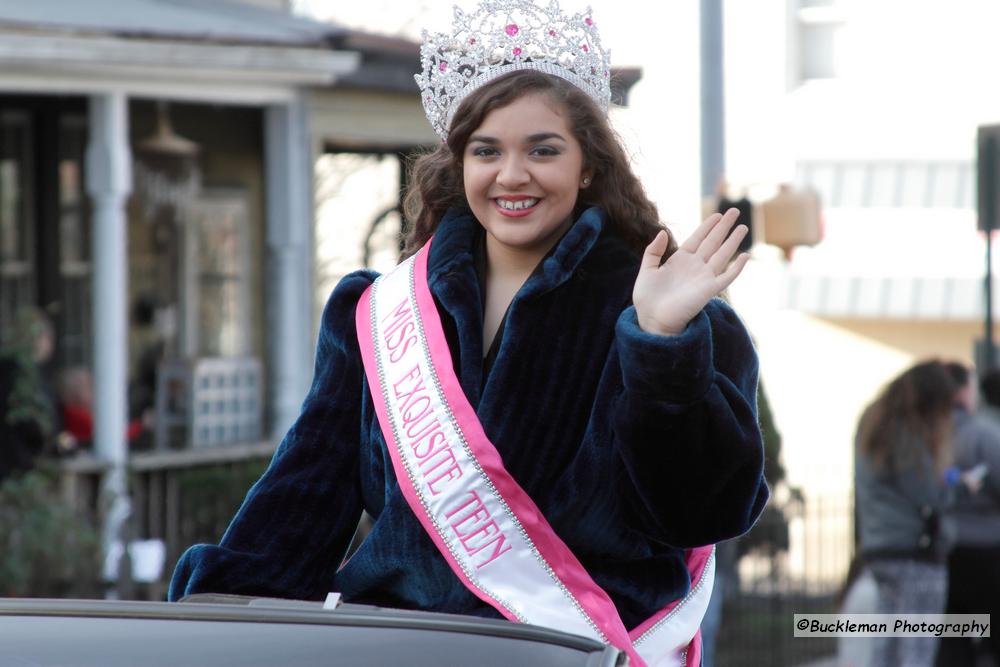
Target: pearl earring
[(586, 181)]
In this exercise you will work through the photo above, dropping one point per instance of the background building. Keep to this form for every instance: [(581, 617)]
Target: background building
[(156, 191), (874, 105)]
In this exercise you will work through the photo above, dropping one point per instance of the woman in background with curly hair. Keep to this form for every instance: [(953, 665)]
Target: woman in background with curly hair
[(902, 449)]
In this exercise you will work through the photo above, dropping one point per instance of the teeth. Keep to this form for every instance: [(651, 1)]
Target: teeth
[(516, 205)]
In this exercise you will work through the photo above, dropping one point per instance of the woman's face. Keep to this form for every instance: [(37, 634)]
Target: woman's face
[(522, 171), (45, 345)]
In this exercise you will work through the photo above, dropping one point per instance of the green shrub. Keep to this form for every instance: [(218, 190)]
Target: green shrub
[(47, 549)]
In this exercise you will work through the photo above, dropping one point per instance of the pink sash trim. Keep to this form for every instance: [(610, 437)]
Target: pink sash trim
[(697, 560), (693, 657), (568, 569), (368, 356), (655, 631)]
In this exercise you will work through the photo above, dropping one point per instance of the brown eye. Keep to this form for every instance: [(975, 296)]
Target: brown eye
[(545, 151)]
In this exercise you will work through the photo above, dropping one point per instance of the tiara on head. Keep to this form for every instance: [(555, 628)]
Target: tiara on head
[(504, 36)]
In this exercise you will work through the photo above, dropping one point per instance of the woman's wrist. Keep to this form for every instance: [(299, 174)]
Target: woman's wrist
[(652, 326)]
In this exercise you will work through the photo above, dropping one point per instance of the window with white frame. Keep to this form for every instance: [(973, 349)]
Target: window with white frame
[(818, 24)]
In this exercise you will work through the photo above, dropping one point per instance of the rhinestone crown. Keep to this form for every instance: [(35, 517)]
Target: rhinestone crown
[(504, 36)]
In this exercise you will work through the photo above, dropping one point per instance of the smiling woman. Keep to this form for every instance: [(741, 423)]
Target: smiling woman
[(543, 407), (522, 171)]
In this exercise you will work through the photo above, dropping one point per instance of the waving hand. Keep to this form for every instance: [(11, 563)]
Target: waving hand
[(667, 297)]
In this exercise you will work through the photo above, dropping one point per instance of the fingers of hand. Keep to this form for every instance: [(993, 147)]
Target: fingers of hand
[(653, 255), (692, 242), (725, 253), (718, 234), (727, 277)]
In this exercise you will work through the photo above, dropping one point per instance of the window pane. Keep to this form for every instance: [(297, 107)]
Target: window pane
[(74, 243), (221, 301), (816, 50), (10, 221), (16, 222)]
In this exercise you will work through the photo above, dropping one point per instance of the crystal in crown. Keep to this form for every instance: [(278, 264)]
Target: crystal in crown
[(504, 36)]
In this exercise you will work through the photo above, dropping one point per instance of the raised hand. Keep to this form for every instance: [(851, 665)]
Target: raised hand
[(667, 297)]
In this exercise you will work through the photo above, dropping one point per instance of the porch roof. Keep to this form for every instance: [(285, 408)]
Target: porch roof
[(218, 51), (219, 21)]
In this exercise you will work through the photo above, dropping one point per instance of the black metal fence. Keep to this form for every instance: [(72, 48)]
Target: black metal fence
[(793, 562), (180, 497)]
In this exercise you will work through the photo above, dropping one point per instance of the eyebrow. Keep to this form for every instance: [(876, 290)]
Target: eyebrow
[(531, 139)]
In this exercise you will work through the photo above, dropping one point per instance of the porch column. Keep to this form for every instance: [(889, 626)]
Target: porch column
[(109, 181), (288, 163)]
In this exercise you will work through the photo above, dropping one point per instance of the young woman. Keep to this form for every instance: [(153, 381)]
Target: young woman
[(903, 447), (546, 420)]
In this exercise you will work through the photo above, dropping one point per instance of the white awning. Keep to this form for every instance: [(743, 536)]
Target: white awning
[(893, 263), (887, 297)]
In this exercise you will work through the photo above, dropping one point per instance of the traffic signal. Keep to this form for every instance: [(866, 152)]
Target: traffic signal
[(745, 208), (986, 172), (792, 217)]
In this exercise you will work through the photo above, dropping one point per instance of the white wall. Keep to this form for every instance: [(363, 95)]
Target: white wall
[(915, 80)]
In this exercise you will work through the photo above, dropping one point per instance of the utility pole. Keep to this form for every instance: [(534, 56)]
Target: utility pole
[(987, 206), (713, 119)]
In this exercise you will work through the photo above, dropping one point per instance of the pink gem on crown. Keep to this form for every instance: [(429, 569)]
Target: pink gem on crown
[(511, 29)]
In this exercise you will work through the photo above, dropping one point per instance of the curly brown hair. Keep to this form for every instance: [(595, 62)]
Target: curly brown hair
[(913, 411), (436, 182)]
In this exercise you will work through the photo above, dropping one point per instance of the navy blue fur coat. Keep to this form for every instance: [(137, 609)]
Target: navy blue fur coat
[(634, 445)]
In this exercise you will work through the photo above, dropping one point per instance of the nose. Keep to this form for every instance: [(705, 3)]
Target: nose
[(512, 173)]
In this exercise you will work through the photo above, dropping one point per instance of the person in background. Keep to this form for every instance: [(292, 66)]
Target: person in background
[(974, 561), (903, 447), (76, 405), (989, 392), (145, 350), (28, 421), (859, 595)]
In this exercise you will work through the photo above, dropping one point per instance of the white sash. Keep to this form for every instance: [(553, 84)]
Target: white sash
[(486, 526)]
